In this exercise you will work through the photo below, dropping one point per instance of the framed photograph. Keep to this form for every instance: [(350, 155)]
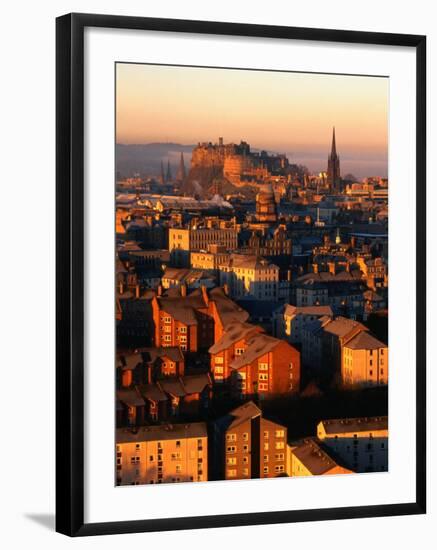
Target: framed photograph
[(232, 202)]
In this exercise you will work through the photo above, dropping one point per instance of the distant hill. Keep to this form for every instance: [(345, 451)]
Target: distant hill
[(146, 158)]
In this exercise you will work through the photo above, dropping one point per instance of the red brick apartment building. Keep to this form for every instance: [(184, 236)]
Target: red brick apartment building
[(193, 321), (248, 446), (251, 362)]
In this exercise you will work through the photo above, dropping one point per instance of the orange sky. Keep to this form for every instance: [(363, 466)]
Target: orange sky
[(282, 112)]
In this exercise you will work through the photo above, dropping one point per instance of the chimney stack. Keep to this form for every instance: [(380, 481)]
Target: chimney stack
[(183, 288)]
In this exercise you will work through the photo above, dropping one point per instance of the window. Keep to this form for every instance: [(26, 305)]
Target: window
[(279, 468), (245, 471), (167, 319), (167, 328), (266, 458), (263, 366), (167, 338), (218, 370), (279, 456), (245, 436), (263, 376), (279, 445), (151, 458), (245, 448), (239, 351), (232, 473), (218, 360), (266, 435), (231, 461), (176, 456), (183, 339), (137, 446), (135, 460), (231, 449), (178, 468), (183, 330), (266, 469), (266, 446), (279, 433), (231, 437), (370, 372), (263, 386)]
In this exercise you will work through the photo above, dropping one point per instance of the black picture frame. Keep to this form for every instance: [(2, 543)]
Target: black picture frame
[(70, 273)]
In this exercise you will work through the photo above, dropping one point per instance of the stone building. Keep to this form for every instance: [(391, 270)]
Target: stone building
[(248, 446), (162, 454), (361, 444), (266, 210)]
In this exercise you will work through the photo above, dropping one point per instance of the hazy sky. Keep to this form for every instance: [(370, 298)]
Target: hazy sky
[(282, 112)]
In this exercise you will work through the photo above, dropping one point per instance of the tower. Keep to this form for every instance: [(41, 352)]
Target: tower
[(168, 175), (266, 205), (334, 166), (162, 176), (180, 176)]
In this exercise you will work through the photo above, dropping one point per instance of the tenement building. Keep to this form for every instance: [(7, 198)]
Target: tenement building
[(247, 445), (162, 454), (361, 444), (182, 241), (309, 459), (250, 277), (254, 363)]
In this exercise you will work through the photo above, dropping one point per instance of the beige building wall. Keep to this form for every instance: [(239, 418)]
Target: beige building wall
[(364, 366), (166, 461), (361, 450)]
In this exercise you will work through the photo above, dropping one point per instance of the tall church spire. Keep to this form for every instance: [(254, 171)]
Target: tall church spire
[(168, 175), (333, 148), (180, 176), (162, 176), (334, 166)]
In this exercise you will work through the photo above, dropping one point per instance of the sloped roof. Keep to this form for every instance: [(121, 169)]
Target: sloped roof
[(235, 331), (195, 383), (341, 326), (131, 398), (172, 386), (174, 353), (258, 345), (307, 310), (227, 309), (364, 340), (160, 433), (245, 412), (129, 361), (182, 308), (363, 424), (313, 457), (152, 392)]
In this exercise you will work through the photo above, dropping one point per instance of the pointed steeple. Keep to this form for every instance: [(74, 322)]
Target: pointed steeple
[(168, 175), (333, 172), (333, 148), (180, 176), (162, 176)]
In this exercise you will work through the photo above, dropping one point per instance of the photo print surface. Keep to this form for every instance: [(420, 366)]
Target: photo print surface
[(251, 269)]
